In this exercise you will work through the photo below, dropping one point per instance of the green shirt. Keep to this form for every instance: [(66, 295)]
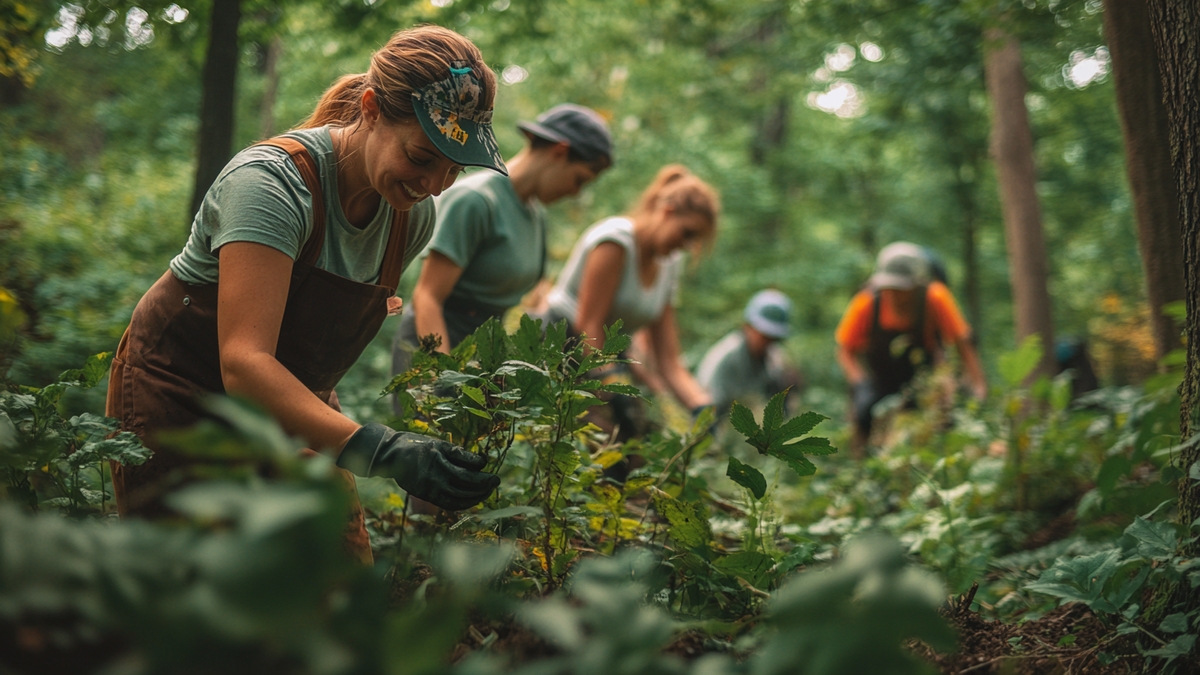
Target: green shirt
[(497, 240), (260, 197), (730, 373)]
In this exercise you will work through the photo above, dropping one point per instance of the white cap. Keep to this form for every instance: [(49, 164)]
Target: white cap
[(768, 312)]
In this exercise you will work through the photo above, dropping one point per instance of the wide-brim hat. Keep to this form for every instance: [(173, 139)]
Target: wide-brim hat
[(578, 126), (769, 312), (455, 117)]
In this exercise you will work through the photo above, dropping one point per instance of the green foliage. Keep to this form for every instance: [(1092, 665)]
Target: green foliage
[(1112, 583), (856, 616), (776, 438), (48, 459), (1016, 365)]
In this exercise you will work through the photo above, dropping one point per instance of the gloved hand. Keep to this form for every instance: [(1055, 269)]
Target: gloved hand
[(427, 468)]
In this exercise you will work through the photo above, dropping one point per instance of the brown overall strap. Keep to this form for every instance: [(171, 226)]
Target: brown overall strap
[(393, 258), (312, 179), (397, 245)]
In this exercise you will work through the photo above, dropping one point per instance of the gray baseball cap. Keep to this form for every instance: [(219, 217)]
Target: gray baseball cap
[(902, 266), (581, 128)]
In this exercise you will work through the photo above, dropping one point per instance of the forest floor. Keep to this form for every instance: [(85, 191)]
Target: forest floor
[(1069, 639)]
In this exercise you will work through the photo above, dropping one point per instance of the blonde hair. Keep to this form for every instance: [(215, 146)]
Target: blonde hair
[(411, 59), (676, 187)]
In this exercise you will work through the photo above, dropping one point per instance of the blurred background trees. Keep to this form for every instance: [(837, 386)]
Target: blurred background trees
[(831, 129)]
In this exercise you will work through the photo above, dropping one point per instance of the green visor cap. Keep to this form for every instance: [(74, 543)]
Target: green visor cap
[(452, 114)]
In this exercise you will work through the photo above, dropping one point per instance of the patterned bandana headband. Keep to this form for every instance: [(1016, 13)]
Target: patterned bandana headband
[(455, 117)]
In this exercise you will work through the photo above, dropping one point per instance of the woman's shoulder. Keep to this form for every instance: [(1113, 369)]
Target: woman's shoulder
[(616, 229), (272, 163)]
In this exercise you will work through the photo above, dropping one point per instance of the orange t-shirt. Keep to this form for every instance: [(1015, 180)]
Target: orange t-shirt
[(854, 331)]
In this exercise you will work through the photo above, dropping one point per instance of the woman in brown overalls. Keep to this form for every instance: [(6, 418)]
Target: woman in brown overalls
[(292, 265)]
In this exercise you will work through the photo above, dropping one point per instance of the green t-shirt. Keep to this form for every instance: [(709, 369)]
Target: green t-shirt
[(497, 240), (260, 197)]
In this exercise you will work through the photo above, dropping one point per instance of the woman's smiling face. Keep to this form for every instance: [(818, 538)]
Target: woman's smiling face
[(402, 164)]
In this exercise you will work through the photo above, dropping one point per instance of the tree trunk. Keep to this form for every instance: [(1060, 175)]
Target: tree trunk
[(1147, 161), (271, 75), (12, 91), (1176, 28), (970, 257), (1012, 150), (217, 97)]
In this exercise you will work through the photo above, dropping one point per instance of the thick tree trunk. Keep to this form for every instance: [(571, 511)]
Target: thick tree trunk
[(271, 75), (217, 98), (1176, 28), (1147, 160), (1012, 150)]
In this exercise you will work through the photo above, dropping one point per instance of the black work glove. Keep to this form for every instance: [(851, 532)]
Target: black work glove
[(427, 468)]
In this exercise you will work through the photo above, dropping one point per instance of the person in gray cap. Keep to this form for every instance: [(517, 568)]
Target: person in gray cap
[(489, 246), (896, 326), (749, 363)]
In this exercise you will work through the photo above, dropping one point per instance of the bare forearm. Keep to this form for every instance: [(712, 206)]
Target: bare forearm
[(429, 318), (684, 386), (973, 369), (851, 368), (264, 380)]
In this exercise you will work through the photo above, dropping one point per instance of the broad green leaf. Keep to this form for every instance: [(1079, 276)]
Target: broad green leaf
[(491, 344), (1111, 470), (1154, 540), (773, 413), (793, 455), (1180, 646), (749, 565), (1081, 578), (1016, 365), (608, 495), (527, 341), (93, 370), (1174, 623), (453, 378), (813, 445), (743, 420), (562, 561), (621, 388), (564, 457), (689, 525), (483, 414), (800, 425), (635, 483), (748, 477), (615, 341), (475, 394), (508, 512)]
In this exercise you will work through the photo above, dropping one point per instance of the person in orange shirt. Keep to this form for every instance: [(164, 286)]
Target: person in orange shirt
[(897, 325)]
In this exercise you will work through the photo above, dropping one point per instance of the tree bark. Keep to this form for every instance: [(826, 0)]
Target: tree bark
[(1147, 161), (217, 97), (1012, 150), (271, 75), (1176, 28)]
